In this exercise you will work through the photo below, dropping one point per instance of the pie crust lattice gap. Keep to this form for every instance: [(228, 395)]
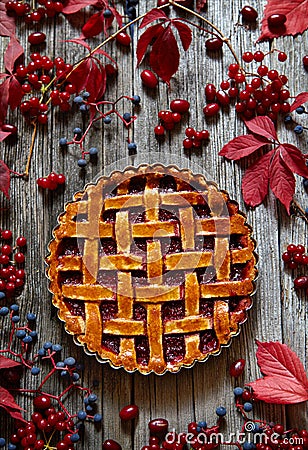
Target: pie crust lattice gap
[(152, 268)]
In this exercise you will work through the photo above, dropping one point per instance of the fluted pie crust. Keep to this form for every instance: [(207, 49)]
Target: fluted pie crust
[(152, 268)]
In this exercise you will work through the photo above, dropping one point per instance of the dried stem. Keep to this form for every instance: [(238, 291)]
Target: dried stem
[(34, 133)]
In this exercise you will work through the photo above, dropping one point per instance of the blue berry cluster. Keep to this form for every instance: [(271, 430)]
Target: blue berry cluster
[(297, 128)]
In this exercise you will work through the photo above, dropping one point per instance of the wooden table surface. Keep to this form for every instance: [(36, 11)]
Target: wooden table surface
[(279, 313)]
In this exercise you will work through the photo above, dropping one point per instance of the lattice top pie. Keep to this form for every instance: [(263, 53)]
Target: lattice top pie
[(152, 268)]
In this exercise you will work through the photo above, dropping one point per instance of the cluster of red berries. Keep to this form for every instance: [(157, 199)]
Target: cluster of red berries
[(12, 274), (36, 76), (168, 118), (46, 8), (294, 257), (195, 138), (45, 422), (264, 94), (52, 181)]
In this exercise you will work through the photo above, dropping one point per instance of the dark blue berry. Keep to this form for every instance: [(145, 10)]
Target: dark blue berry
[(305, 183), (127, 117), (2, 442), (27, 340), (107, 13), (247, 407), (2, 295), (288, 119), (64, 373), (93, 151), (300, 110), (4, 311), (62, 142), (69, 361), (47, 345), (78, 99), (136, 100), (83, 108), (57, 348), (31, 317), (221, 411), (35, 371), (82, 162), (306, 212), (248, 445), (238, 391), (41, 352), (33, 334), (11, 447), (199, 429), (132, 148), (97, 418), (86, 94), (60, 364), (92, 398), (202, 424), (89, 408), (107, 120), (298, 129), (75, 376), (82, 415), (131, 12), (14, 308), (15, 319), (77, 130), (20, 334), (75, 437)]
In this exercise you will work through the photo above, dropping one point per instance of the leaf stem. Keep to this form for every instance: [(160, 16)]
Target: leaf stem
[(297, 208), (34, 133)]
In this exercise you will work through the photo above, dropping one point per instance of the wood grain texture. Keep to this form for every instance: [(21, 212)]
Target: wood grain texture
[(278, 313)]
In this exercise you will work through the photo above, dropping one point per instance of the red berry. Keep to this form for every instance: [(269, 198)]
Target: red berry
[(286, 257), (211, 109), (246, 395), (123, 38), (282, 56), (305, 259), (19, 257), (276, 20), (158, 427), (305, 61), (214, 44), (110, 444), (210, 92), (247, 57), (225, 85), (190, 132), (36, 38), (222, 98), (41, 402), (301, 282), (4, 259), (176, 117), (262, 70), (129, 412), (6, 249), (300, 248), (179, 105), (8, 128), (61, 178), (292, 265), (258, 56), (249, 13), (149, 78), (291, 248), (6, 235), (205, 134), (159, 130), (239, 77), (187, 143), (237, 368)]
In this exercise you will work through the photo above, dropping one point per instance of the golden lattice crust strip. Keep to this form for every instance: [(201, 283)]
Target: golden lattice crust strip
[(84, 221)]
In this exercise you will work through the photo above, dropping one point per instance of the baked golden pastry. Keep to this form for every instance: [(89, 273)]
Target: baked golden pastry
[(152, 268)]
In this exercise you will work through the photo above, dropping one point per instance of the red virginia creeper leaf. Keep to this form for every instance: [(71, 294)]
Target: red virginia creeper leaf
[(4, 135), (7, 363), (184, 33), (255, 181), (15, 93), (263, 126), (12, 53), (295, 12), (7, 401), (4, 98), (201, 5), (165, 56), (7, 24), (242, 146), (294, 159), (117, 16), (146, 39), (285, 380), (74, 6), (5, 179), (282, 181), (94, 25), (80, 42), (300, 99), (152, 15), (90, 77)]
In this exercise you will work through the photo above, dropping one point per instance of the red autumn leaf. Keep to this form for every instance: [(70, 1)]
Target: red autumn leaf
[(146, 39), (154, 14), (242, 146), (300, 99), (4, 99), (80, 41), (90, 76), (94, 25), (15, 93), (295, 12), (165, 56), (201, 5), (117, 16), (294, 159), (7, 363), (184, 33), (4, 135), (263, 126), (285, 380), (12, 53), (74, 6), (7, 401), (7, 23), (256, 179), (282, 181), (5, 179)]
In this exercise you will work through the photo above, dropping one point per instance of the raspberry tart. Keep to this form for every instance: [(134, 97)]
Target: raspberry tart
[(152, 268)]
